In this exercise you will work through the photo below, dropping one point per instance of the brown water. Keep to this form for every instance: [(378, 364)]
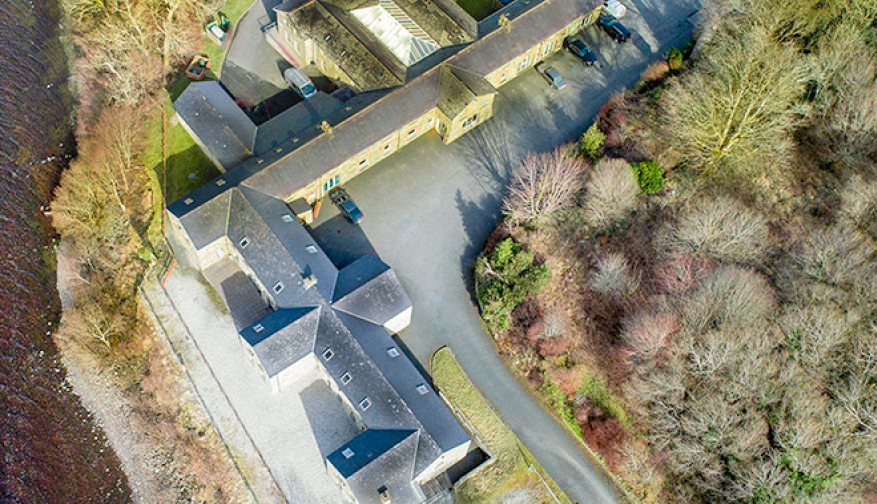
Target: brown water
[(50, 449)]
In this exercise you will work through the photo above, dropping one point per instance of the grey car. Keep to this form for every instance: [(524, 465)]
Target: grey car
[(551, 75)]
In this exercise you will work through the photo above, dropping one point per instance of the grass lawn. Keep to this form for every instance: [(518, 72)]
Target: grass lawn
[(479, 9), (509, 474)]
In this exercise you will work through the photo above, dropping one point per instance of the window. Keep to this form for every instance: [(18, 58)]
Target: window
[(347, 452), (363, 163), (312, 249), (328, 354), (258, 328), (429, 122), (244, 242), (393, 352), (278, 287), (332, 182), (412, 133), (345, 378), (524, 63), (387, 148), (548, 49), (422, 389), (365, 404), (286, 217), (503, 77), (471, 121)]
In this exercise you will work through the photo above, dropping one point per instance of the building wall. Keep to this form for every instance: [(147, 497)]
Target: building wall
[(398, 323), (443, 463)]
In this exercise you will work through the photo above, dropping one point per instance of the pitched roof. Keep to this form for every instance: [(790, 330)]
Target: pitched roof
[(283, 337), (219, 124), (458, 88), (366, 448), (378, 295)]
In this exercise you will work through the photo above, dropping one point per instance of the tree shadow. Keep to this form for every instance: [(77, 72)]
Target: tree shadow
[(479, 221), (489, 150), (332, 422)]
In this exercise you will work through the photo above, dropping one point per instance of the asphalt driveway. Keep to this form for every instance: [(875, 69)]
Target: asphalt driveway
[(430, 207)]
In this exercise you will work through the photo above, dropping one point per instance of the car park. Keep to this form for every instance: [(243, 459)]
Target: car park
[(346, 205), (614, 28), (551, 75), (580, 50)]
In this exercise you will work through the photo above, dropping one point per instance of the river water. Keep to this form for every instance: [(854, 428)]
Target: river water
[(51, 450)]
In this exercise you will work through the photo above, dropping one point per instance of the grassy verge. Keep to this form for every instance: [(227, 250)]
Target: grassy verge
[(509, 474), (479, 9)]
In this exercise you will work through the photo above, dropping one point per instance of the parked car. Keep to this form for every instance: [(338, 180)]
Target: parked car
[(346, 205), (614, 28), (580, 50), (551, 75), (615, 8)]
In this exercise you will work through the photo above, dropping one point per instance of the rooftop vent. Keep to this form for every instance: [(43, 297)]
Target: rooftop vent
[(220, 182), (309, 281), (384, 493), (286, 217), (188, 201), (312, 249)]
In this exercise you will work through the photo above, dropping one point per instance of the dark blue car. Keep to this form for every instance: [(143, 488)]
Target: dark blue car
[(614, 28), (580, 50)]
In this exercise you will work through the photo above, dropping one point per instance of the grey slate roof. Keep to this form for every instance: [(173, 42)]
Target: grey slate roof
[(365, 448), (392, 470), (378, 297), (283, 337), (218, 123)]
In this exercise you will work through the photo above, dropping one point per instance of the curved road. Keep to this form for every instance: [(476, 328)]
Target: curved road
[(430, 207)]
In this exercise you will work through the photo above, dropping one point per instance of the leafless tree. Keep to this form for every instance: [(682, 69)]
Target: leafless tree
[(649, 330), (614, 276), (728, 296), (611, 193), (735, 113), (543, 184), (720, 228)]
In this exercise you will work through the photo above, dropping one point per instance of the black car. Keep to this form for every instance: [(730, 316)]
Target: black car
[(614, 28), (346, 205), (580, 50)]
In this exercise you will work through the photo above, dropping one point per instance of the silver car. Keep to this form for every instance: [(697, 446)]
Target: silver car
[(551, 75)]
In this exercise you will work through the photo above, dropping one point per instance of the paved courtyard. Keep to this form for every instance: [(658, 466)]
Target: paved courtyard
[(430, 207)]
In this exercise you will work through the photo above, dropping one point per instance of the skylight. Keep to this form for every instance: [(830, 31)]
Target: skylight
[(397, 31), (347, 452)]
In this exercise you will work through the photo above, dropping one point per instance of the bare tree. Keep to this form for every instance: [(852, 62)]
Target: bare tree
[(735, 113), (728, 296), (613, 275), (648, 331), (720, 228), (611, 193), (543, 184)]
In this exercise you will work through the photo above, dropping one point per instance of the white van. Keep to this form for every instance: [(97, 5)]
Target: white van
[(615, 8), (300, 82)]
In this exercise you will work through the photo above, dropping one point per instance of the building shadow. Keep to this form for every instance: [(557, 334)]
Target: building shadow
[(489, 149), (479, 220), (332, 422), (342, 241)]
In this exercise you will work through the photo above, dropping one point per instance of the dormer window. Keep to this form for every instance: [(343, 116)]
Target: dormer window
[(393, 352), (345, 378), (365, 404), (328, 354), (258, 328), (278, 287), (347, 452), (244, 242)]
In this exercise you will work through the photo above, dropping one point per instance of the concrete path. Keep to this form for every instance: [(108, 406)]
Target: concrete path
[(430, 207)]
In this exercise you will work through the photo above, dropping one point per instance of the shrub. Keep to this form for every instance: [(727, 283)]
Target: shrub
[(612, 193), (649, 175), (595, 390), (558, 401), (505, 280), (614, 276), (720, 228), (674, 59), (591, 143)]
